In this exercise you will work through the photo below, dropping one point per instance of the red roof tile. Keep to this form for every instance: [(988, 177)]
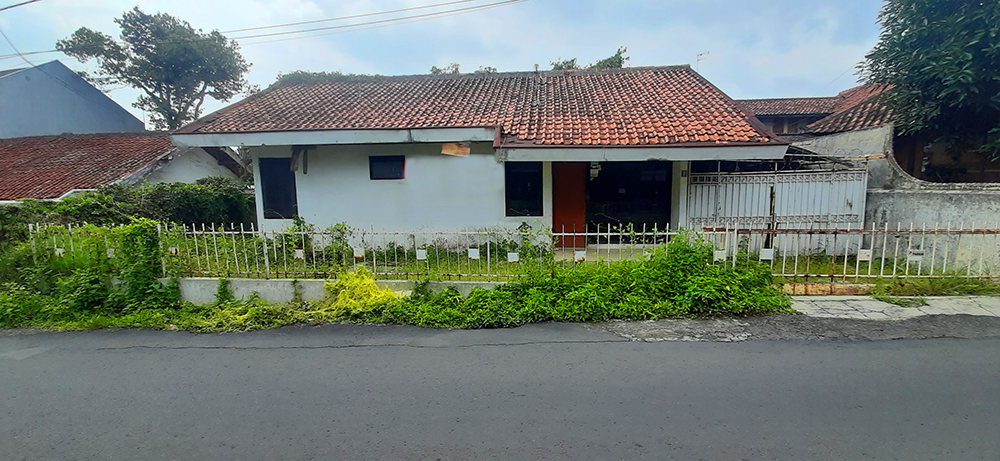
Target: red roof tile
[(869, 113), (632, 106), (50, 166), (790, 106), (824, 105)]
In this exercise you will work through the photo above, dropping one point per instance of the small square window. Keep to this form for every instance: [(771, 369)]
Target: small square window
[(386, 167)]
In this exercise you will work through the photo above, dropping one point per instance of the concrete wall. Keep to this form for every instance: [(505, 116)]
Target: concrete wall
[(188, 165), (852, 144), (439, 192), (902, 198), (201, 291), (51, 99)]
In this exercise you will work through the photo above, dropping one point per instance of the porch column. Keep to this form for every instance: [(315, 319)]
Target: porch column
[(679, 195)]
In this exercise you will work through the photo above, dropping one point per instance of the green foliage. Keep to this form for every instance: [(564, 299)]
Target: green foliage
[(142, 268), (615, 61), (942, 61), (486, 70), (453, 68), (174, 65), (303, 77), (564, 64), (209, 200), (223, 294), (900, 301)]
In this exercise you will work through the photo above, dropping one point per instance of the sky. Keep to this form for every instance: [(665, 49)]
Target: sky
[(778, 48)]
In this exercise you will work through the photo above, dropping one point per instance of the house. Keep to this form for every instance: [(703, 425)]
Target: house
[(51, 167), (52, 99), (791, 116), (561, 149), (910, 180)]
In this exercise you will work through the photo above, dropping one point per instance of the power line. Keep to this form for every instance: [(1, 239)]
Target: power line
[(53, 77), (356, 26), (442, 15), (341, 18), (19, 4)]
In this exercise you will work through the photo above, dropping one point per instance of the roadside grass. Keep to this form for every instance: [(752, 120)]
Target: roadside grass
[(938, 286), (677, 281)]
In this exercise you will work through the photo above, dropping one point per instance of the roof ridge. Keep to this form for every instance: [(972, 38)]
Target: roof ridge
[(508, 74), (790, 97), (118, 134)]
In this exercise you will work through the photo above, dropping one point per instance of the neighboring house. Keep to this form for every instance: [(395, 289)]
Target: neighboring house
[(900, 169), (566, 149), (52, 99), (52, 167), (790, 116)]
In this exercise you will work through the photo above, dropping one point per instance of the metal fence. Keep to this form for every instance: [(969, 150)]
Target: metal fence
[(914, 251), (501, 254), (244, 251)]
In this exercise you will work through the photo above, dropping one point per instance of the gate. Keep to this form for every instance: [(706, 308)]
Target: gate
[(820, 199)]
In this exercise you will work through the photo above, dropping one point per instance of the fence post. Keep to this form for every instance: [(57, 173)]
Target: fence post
[(34, 255), (263, 242), (159, 241)]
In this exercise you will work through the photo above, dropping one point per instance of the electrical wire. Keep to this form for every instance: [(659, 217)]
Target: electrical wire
[(400, 21), (341, 18), (19, 4), (352, 27), (53, 77)]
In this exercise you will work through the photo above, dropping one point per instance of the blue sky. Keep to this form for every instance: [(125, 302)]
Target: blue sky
[(756, 49)]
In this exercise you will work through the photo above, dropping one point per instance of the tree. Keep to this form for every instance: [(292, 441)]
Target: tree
[(615, 61), (486, 70), (452, 68), (939, 61), (174, 65), (564, 64)]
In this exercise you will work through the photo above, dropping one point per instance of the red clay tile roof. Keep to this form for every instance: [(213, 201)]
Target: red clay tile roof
[(50, 166), (627, 107), (869, 113), (824, 105), (790, 106)]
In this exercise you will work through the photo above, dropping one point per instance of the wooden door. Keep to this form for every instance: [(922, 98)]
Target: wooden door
[(569, 202)]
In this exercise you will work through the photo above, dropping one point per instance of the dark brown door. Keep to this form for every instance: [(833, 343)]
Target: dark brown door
[(569, 203)]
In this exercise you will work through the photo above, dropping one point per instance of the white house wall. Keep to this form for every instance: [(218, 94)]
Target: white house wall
[(188, 165), (439, 192)]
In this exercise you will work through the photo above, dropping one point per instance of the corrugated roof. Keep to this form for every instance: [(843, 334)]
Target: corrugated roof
[(624, 107), (50, 166)]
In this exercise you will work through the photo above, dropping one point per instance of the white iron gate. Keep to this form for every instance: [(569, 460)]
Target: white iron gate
[(829, 199)]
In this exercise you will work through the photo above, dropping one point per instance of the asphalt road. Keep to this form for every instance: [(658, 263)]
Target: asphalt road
[(550, 391)]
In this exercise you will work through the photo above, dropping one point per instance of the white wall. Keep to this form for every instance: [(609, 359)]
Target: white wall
[(439, 192), (188, 165)]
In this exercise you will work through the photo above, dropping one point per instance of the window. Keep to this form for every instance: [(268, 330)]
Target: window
[(386, 167), (277, 187), (523, 188)]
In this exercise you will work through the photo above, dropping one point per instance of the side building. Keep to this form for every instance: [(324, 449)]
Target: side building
[(51, 99)]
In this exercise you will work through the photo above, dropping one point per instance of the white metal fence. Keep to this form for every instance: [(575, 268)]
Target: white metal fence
[(914, 251), (500, 254)]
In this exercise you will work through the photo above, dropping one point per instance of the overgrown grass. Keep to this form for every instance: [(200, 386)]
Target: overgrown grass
[(677, 281)]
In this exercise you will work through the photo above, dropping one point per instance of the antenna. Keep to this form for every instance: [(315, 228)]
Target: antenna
[(697, 60)]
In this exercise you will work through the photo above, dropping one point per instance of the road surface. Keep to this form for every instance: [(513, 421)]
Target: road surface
[(549, 391)]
